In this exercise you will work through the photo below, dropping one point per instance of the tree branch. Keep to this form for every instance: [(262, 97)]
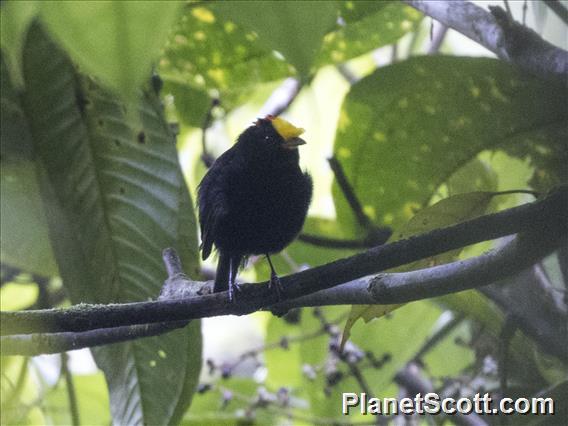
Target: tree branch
[(503, 36), (51, 343), (520, 253), (545, 218)]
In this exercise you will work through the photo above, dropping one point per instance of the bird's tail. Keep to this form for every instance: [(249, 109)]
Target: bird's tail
[(227, 268)]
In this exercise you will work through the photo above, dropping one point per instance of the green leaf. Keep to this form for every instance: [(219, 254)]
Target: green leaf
[(284, 363), (522, 350), (191, 104), (407, 127), (114, 197), (446, 212), (450, 357), (369, 26), (92, 401), (14, 297), (477, 175), (383, 337), (207, 55), (20, 393), (353, 11), (25, 241), (15, 18), (546, 152), (295, 29), (122, 41), (449, 211)]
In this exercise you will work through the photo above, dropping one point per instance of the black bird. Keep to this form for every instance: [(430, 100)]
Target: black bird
[(254, 199)]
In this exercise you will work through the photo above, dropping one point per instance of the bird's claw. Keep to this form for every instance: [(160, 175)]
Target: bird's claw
[(276, 284), (232, 288)]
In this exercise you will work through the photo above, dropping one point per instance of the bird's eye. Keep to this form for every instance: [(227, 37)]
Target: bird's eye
[(266, 138)]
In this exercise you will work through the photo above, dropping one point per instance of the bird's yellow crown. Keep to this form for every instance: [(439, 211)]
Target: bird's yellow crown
[(284, 128)]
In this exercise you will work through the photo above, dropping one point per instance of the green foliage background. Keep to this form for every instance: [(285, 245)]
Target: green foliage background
[(93, 190)]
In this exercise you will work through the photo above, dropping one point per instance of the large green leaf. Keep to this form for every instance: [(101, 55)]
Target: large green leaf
[(118, 46), (407, 127), (295, 29), (15, 17), (25, 242), (114, 197)]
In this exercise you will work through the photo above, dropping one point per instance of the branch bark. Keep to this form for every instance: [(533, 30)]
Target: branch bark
[(508, 39), (544, 220)]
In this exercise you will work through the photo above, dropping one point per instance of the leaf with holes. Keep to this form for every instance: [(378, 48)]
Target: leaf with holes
[(114, 197)]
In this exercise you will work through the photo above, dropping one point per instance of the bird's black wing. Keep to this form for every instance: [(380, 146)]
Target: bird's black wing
[(212, 201)]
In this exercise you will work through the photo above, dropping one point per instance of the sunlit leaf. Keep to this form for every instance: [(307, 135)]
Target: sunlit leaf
[(369, 26), (17, 296), (476, 175)]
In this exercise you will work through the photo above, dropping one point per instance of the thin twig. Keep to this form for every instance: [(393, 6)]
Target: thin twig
[(559, 9), (349, 194), (438, 39), (394, 53), (347, 74), (507, 333), (508, 9), (206, 157), (52, 343), (437, 337), (71, 394)]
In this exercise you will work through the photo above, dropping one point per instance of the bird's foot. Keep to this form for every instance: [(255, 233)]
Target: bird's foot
[(276, 284), (232, 292)]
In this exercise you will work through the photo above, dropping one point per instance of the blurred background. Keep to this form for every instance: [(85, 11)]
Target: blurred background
[(412, 111)]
